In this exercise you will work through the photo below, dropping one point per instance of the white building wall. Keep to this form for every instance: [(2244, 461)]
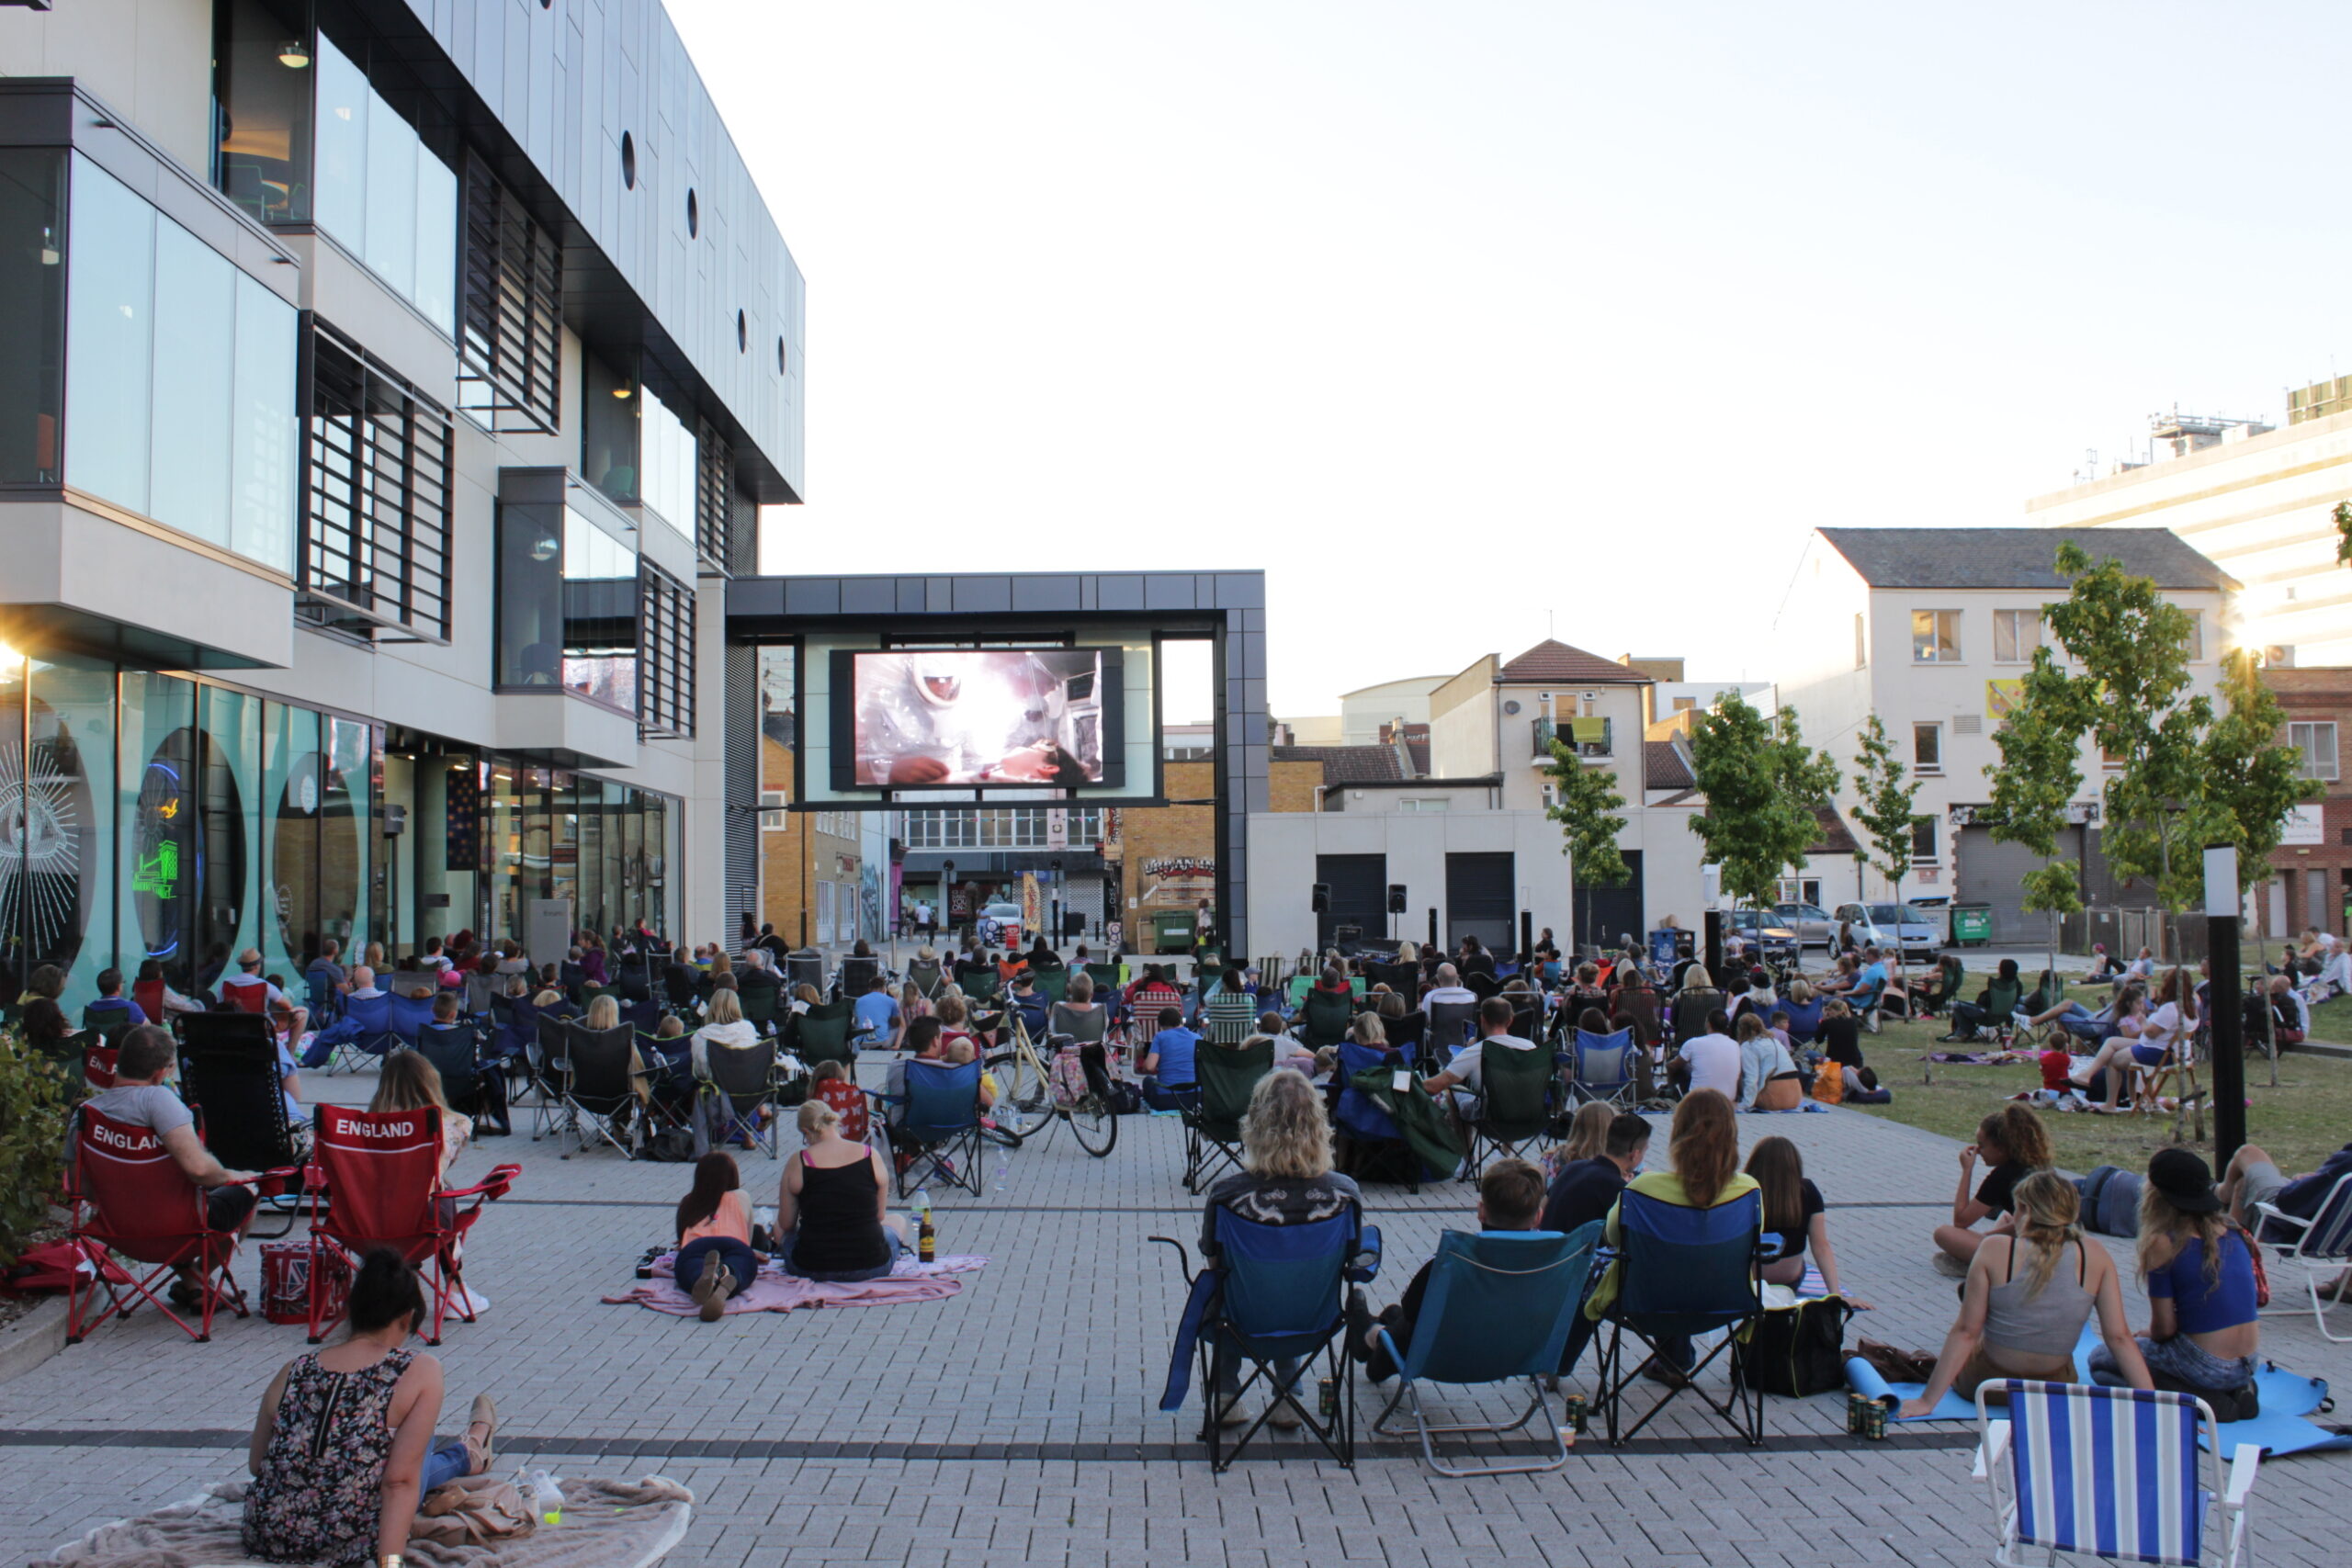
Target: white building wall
[(1362, 713), (1284, 844)]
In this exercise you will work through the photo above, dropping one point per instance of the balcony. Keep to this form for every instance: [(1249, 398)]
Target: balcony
[(1589, 739)]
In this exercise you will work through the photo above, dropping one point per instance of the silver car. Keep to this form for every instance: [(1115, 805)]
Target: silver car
[(1810, 921), (1884, 926)]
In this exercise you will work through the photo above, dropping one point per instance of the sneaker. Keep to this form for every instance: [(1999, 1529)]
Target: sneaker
[(1950, 1268), (707, 1291), (1229, 1412), (1285, 1416), (1672, 1377)]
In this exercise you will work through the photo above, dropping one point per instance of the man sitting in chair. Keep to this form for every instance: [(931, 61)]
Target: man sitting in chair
[(1167, 1063), (237, 990), (111, 1006), (1494, 1034), (1510, 1202), (140, 1098)]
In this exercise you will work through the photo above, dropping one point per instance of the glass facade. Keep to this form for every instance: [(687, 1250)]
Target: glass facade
[(261, 106), (148, 816), (32, 313), (180, 385), (566, 603), (635, 449), (383, 193)]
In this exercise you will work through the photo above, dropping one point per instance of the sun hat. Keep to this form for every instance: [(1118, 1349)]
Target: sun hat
[(2185, 1180)]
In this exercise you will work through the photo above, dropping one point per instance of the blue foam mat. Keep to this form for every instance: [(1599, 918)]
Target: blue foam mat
[(2281, 1428)]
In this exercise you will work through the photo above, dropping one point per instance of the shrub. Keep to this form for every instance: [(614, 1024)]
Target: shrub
[(36, 1098)]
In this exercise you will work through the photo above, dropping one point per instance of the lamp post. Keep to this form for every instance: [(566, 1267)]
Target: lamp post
[(947, 880), (2229, 1041), (1054, 906)]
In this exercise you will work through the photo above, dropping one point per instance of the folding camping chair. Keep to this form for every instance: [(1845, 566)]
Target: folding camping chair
[(934, 1124), (229, 1073), (98, 1068), (855, 974), (126, 1195), (927, 978), (112, 1023), (545, 1061), (1408, 1035), (405, 1015), (596, 1083), (1371, 1131), (363, 1033), (1601, 1067), (759, 1008), (2126, 1473), (1682, 1271), (1449, 1028), (1224, 1078), (1052, 982), (1324, 1017), (454, 1051), (822, 1034), (1513, 1106), (1277, 1297), (738, 1080), (1497, 1309), (2322, 1245), (377, 1175), (1107, 978)]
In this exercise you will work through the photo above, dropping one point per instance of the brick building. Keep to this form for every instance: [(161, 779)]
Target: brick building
[(1166, 854), (2313, 865)]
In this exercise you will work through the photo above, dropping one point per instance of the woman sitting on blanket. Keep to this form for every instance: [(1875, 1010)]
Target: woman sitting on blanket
[(832, 1210), (2028, 1296), (1795, 1218), (343, 1453), (715, 1257), (2013, 1142), (2197, 1269)]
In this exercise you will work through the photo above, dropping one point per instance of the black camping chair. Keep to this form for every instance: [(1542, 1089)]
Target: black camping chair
[(597, 1086), (740, 1079), (229, 1074)]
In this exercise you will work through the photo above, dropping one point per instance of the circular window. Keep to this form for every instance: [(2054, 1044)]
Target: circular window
[(742, 333), (48, 837), (694, 217), (188, 834), (779, 356), (629, 160)]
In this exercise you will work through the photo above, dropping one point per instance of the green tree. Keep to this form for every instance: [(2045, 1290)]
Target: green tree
[(1886, 810), (2039, 770), (1762, 783), (2248, 775), (1586, 806)]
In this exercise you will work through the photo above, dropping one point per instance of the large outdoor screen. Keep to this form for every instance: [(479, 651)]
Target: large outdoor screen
[(994, 718)]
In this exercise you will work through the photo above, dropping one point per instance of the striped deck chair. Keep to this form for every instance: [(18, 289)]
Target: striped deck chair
[(2112, 1473)]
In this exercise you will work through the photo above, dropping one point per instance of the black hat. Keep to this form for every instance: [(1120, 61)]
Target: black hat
[(1759, 979), (2185, 1180)]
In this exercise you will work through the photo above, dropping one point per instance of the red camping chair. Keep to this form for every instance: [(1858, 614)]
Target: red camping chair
[(128, 1196), (97, 1069), (149, 995), (377, 1175)]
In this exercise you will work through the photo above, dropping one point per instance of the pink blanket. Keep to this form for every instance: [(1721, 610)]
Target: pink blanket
[(776, 1291)]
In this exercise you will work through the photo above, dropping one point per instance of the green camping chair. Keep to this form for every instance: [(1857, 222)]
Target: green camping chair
[(822, 1034), (1222, 1078), (1107, 976), (1053, 983), (1325, 1016), (759, 1008), (1513, 1110)]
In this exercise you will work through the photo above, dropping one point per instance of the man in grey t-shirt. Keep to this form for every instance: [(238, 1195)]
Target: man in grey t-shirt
[(139, 1098)]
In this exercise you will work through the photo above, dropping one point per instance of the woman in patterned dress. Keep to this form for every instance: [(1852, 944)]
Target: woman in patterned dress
[(339, 1452)]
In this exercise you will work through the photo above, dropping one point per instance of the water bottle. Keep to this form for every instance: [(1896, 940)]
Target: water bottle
[(546, 1495)]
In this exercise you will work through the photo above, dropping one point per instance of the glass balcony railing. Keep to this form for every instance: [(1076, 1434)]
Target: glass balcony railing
[(1584, 737)]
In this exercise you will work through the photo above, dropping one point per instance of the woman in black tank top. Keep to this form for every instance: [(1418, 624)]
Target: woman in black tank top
[(831, 1217)]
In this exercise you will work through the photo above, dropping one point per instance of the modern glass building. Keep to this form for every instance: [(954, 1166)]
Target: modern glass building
[(394, 382)]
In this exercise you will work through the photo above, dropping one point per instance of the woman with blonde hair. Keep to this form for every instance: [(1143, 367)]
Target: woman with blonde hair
[(1588, 1136), (2026, 1298), (832, 1208), (407, 1082), (804, 997), (1285, 1179), (603, 1012)]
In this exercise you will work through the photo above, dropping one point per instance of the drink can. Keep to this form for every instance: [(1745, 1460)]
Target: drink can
[(1875, 1421), (1577, 1413), (1327, 1397), (1854, 1402)]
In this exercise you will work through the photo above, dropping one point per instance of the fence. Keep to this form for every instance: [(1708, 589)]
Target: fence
[(2174, 938)]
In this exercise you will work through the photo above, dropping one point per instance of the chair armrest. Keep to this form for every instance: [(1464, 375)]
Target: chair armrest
[(2271, 1212), (2242, 1472), (496, 1184), (1990, 1451), (1365, 1265)]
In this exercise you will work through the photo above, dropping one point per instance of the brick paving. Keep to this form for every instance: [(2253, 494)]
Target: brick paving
[(1018, 1423)]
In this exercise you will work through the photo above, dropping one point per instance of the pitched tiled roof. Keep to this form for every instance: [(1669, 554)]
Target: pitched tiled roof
[(1554, 660), (2015, 558), (1419, 752), (1665, 767), (1836, 838), (1346, 764)]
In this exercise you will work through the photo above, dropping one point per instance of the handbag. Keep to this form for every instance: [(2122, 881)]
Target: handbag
[(1796, 1350)]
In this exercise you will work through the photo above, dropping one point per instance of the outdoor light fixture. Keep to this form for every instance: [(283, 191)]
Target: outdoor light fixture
[(294, 54), (621, 392), (545, 546)]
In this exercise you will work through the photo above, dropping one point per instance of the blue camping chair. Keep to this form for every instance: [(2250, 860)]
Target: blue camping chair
[(320, 998), (364, 1031), (1360, 1116), (1269, 1294), (2114, 1472), (1682, 1271), (935, 1124), (1497, 1309), (407, 1015), (1804, 1020), (1601, 1067)]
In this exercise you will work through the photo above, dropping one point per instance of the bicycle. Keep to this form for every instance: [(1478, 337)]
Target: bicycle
[(1029, 1103)]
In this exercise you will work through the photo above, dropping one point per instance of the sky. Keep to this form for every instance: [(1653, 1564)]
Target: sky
[(1473, 322)]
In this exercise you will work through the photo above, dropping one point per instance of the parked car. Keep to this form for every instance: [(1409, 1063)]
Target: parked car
[(999, 924), (1885, 925), (1762, 931), (1810, 921)]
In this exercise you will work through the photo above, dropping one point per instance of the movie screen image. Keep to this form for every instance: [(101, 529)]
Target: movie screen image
[(1010, 717)]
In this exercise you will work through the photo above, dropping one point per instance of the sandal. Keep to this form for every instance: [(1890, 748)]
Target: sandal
[(484, 1414)]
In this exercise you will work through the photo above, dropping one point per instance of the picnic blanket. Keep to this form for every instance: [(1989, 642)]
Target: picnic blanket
[(776, 1291), (2281, 1428), (607, 1524)]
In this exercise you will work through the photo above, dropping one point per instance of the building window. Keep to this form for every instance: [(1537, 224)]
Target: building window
[(1927, 747), (181, 376), (262, 78), (1861, 644), (635, 449), (1923, 840), (2195, 634), (1935, 636), (376, 520), (1435, 802), (510, 291), (2317, 744), (32, 313), (568, 602), (665, 651), (382, 193), (2016, 635)]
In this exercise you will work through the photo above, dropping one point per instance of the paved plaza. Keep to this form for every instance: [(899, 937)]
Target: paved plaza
[(1017, 1423)]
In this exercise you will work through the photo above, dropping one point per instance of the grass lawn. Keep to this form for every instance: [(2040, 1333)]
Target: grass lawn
[(2306, 1117), (2331, 1021)]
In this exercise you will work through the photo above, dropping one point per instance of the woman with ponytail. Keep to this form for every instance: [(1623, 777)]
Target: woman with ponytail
[(2029, 1291)]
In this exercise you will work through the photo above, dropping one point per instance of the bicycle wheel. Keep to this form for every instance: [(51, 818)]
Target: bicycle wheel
[(1091, 1123), (1024, 1100)]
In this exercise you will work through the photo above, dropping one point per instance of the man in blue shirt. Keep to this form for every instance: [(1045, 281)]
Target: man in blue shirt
[(1167, 1066), (110, 1008), (1033, 1005), (878, 1021)]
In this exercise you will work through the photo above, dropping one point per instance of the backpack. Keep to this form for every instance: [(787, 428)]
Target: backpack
[(1796, 1350)]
